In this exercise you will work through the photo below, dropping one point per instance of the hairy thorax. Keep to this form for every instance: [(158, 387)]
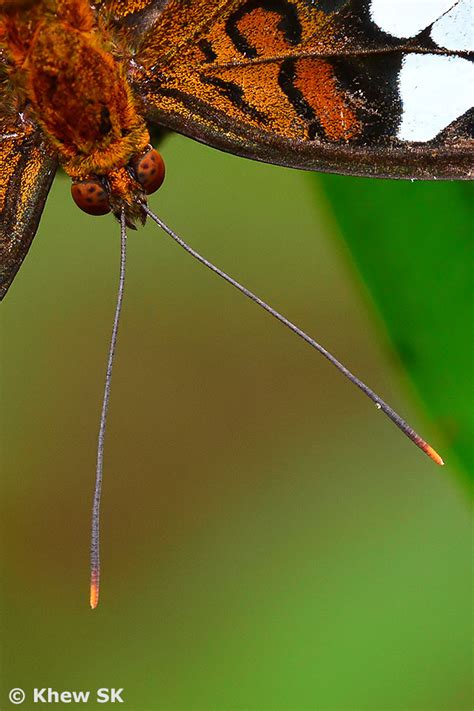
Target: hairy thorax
[(74, 86)]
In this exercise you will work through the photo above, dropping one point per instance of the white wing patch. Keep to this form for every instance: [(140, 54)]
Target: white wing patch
[(406, 18), (435, 90), (455, 29)]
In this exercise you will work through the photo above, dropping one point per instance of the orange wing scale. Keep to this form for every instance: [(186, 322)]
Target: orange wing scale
[(183, 66)]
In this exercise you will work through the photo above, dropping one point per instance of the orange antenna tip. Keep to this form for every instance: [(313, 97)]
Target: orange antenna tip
[(94, 595), (433, 454)]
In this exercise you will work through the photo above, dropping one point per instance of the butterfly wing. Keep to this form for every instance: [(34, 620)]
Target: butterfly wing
[(26, 174), (310, 84)]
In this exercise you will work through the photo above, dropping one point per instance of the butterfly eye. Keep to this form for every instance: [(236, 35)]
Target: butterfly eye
[(150, 171), (91, 197)]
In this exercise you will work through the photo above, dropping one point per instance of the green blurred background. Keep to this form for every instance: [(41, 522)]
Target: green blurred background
[(269, 540)]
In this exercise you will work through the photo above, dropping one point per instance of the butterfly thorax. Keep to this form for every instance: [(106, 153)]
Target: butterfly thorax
[(75, 87)]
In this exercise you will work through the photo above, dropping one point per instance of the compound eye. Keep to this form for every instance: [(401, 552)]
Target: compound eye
[(91, 197), (150, 171)]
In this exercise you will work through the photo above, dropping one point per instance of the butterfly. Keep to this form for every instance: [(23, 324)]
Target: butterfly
[(357, 87)]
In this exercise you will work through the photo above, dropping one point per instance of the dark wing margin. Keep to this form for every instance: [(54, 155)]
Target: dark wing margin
[(27, 170), (217, 130)]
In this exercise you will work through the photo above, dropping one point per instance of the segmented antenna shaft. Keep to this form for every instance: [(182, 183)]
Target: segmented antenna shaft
[(381, 404), (95, 527)]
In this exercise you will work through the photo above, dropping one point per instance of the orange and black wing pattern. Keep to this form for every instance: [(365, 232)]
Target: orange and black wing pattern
[(313, 84), (26, 172)]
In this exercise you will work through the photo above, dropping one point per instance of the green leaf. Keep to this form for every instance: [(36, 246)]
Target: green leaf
[(411, 243)]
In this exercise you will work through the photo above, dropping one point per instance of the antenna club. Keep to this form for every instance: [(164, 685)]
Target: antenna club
[(433, 454), (94, 592)]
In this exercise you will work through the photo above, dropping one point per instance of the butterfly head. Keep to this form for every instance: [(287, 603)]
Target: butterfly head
[(122, 188)]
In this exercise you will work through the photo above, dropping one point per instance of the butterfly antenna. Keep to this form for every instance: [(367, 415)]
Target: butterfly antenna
[(95, 528), (380, 404)]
